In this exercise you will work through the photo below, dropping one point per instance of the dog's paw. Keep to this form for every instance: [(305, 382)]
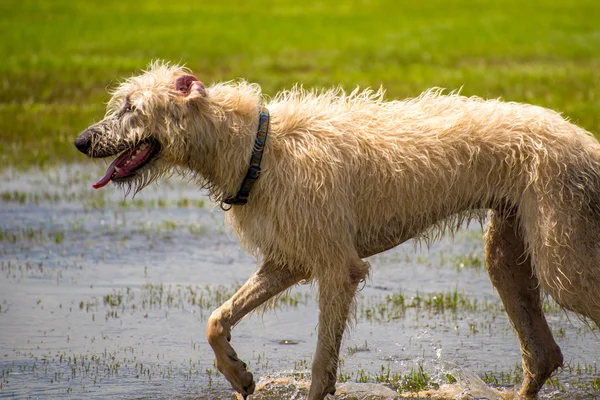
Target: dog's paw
[(243, 383), (250, 386), (236, 372)]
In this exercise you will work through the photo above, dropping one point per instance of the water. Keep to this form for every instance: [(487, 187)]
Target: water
[(105, 298)]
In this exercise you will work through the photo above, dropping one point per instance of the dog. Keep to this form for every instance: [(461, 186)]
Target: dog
[(316, 181)]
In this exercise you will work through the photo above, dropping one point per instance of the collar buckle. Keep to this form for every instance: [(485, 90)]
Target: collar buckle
[(253, 172)]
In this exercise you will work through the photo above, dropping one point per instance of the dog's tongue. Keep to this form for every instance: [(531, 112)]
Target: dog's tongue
[(109, 173), (126, 164)]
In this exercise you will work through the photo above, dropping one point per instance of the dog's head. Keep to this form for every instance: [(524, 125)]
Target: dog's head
[(144, 125)]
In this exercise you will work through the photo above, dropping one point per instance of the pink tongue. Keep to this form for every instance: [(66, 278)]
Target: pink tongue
[(109, 172), (128, 162)]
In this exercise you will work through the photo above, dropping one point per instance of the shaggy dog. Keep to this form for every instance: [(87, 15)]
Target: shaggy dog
[(345, 176)]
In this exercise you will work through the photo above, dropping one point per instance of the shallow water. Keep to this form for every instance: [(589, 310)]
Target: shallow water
[(105, 298)]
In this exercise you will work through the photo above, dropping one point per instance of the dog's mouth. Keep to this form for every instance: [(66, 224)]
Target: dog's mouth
[(130, 162)]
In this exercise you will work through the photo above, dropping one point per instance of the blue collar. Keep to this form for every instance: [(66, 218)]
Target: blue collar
[(253, 173)]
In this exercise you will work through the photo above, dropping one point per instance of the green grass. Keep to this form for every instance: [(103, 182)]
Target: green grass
[(60, 56)]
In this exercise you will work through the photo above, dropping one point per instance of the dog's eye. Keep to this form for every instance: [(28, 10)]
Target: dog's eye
[(130, 108)]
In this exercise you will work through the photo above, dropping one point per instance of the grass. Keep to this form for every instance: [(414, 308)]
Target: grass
[(395, 306), (60, 56), (413, 381)]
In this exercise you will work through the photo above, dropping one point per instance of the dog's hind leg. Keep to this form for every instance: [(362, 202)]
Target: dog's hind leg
[(511, 273), (336, 299), (268, 281)]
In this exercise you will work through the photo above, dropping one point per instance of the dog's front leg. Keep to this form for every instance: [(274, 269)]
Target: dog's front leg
[(269, 280), (336, 299)]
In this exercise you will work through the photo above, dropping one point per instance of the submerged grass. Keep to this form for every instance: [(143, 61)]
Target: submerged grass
[(97, 200), (414, 380), (395, 305), (60, 56), (151, 297)]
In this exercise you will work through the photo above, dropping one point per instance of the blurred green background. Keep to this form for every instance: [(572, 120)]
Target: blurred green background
[(59, 56)]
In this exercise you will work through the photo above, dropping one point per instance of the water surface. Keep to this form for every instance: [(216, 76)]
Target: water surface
[(102, 297)]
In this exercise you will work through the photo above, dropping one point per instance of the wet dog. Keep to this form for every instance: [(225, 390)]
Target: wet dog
[(314, 182)]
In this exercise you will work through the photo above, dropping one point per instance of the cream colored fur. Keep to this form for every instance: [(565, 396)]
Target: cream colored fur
[(348, 175)]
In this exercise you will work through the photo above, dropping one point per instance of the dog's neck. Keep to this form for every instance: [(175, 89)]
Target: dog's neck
[(227, 132), (253, 173)]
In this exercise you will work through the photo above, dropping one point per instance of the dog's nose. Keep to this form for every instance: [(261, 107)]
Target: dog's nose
[(83, 142)]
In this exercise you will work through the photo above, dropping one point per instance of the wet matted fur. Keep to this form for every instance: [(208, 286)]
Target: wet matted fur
[(348, 175)]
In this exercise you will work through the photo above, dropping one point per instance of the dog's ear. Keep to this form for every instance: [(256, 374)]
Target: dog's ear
[(189, 85)]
